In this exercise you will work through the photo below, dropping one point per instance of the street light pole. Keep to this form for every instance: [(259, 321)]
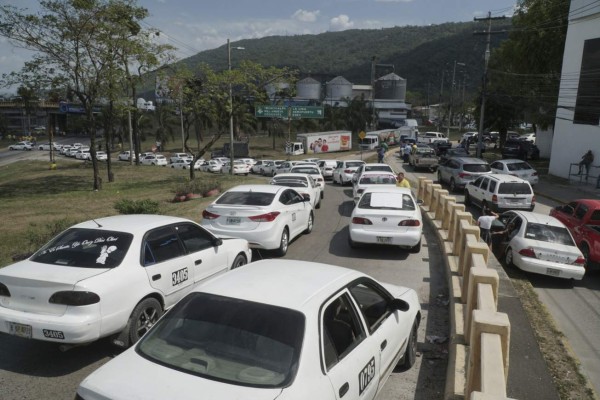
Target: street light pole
[(452, 96), (230, 106)]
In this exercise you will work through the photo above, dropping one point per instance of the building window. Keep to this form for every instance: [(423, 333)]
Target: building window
[(587, 107)]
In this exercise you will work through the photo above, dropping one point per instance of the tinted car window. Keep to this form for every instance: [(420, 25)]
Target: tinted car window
[(372, 304), (514, 188), (476, 168), (492, 187), (194, 238), (161, 245), (581, 211), (246, 198), (85, 248), (518, 166), (353, 164), (228, 340)]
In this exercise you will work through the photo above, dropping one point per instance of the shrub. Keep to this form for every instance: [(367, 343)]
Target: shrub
[(126, 206), (197, 186), (37, 235)]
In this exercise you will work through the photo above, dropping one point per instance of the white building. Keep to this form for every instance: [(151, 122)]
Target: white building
[(577, 124)]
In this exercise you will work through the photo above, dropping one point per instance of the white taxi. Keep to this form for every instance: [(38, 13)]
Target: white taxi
[(344, 171), (111, 276), (372, 179), (276, 329), (304, 184), (268, 216)]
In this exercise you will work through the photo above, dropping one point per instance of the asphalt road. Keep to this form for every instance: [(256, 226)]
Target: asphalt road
[(33, 370), (574, 307)]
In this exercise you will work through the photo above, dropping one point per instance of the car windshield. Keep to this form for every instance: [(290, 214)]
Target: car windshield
[(548, 233), (85, 248), (514, 188), (353, 164), (377, 179), (291, 182), (518, 166), (378, 168), (476, 168), (246, 198), (387, 201), (228, 340)]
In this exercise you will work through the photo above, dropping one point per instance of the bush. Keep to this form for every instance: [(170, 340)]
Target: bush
[(197, 186), (126, 206), (38, 235)]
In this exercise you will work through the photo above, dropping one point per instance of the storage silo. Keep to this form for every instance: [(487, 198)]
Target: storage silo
[(308, 88), (339, 88), (276, 87), (390, 87)]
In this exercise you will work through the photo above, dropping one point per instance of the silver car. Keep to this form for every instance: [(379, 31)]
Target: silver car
[(458, 171)]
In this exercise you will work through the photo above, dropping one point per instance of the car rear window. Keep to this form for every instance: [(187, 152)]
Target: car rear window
[(85, 248), (377, 179), (518, 166), (228, 340), (548, 233), (246, 198), (476, 168), (514, 188), (353, 164), (378, 168), (306, 170), (290, 182), (387, 201)]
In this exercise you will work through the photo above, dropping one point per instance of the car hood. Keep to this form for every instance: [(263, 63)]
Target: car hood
[(132, 377)]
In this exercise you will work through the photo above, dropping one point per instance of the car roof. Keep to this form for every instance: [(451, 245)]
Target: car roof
[(256, 188), (377, 173), (291, 175), (292, 284), (539, 218), (130, 223), (469, 160), (387, 189), (507, 178)]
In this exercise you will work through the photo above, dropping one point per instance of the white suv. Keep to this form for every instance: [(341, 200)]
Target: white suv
[(500, 192)]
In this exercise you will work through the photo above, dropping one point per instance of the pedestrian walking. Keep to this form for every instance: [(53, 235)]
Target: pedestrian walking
[(586, 161), (380, 154)]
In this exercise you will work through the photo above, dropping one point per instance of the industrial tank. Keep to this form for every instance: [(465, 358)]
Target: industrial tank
[(390, 87), (309, 88), (339, 88), (276, 87)]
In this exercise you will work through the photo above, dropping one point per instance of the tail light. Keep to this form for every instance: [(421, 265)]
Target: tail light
[(361, 221), (494, 198), (463, 175), (534, 173), (533, 200), (410, 222), (71, 298), (268, 217), (528, 252), (209, 215), (580, 261)]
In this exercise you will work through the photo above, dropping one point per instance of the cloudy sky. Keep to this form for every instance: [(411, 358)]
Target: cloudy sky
[(196, 25)]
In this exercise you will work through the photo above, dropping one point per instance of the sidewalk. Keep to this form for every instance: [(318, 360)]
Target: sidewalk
[(528, 375)]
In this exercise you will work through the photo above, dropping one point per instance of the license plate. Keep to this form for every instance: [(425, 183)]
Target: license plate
[(233, 220), (20, 330), (384, 239), (552, 272)]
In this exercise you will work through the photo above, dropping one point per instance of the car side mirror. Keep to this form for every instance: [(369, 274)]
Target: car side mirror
[(399, 304), (305, 197), (420, 201), (217, 242)]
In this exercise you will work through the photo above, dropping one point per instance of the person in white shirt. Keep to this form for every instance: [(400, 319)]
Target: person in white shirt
[(485, 225)]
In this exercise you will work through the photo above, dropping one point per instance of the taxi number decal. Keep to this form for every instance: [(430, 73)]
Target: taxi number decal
[(53, 334), (293, 216), (179, 276), (366, 375)]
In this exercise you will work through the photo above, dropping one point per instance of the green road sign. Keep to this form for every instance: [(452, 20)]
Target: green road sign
[(265, 111), (307, 112)]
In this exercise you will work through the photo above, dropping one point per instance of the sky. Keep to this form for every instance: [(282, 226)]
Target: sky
[(196, 25)]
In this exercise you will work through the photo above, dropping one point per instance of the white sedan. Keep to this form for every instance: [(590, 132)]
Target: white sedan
[(304, 184), (21, 146), (387, 215), (47, 146), (181, 164), (211, 166), (154, 159), (111, 276), (124, 155), (268, 216), (515, 167), (239, 168), (372, 179), (540, 244), (311, 169), (276, 329), (369, 168), (344, 171)]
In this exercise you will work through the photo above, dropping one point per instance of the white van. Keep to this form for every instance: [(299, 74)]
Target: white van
[(370, 142)]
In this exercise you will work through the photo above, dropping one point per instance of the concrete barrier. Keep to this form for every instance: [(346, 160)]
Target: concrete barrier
[(479, 335)]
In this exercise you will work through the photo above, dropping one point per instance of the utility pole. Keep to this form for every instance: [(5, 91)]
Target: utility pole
[(439, 116), (452, 96), (489, 19)]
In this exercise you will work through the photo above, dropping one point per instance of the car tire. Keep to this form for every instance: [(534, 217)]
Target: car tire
[(439, 177), (508, 258), (416, 248), (452, 185), (283, 243), (143, 317), (352, 243), (410, 355), (239, 261), (310, 223), (467, 198)]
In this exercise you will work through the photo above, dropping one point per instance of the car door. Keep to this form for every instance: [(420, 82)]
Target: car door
[(166, 263), (338, 170), (204, 251), (577, 220), (475, 190), (295, 210), (350, 358)]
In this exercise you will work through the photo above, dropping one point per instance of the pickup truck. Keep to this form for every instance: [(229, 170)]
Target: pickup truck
[(430, 137), (582, 218), (423, 156)]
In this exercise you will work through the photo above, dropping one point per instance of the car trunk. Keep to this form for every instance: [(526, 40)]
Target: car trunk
[(560, 255), (237, 218)]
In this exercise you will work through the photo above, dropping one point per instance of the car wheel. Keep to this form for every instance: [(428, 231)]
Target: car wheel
[(239, 260), (508, 258), (452, 185), (467, 198), (439, 177), (143, 317), (416, 248), (352, 243), (283, 243), (410, 356), (585, 250), (310, 224), (318, 205)]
